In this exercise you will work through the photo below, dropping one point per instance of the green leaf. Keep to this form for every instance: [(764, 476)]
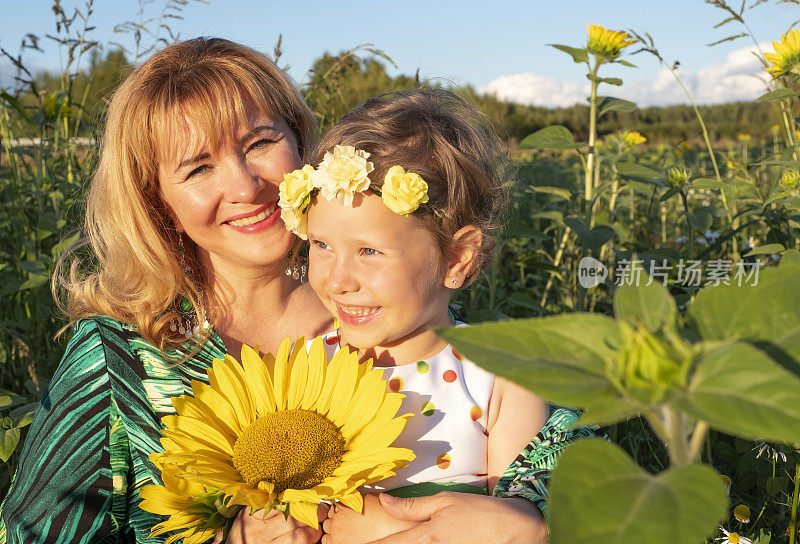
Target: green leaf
[(767, 249), (555, 191), (552, 137), (9, 438), (739, 390), (592, 238), (651, 305), (777, 94), (64, 244), (524, 300), (638, 172), (9, 398), (561, 358), (625, 63), (707, 183), (790, 257), (578, 55), (606, 104), (701, 220), (32, 267), (766, 314), (599, 494), (34, 281), (553, 215), (14, 103), (668, 194), (23, 415)]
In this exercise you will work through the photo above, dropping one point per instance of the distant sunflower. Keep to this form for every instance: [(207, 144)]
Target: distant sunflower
[(198, 513), (606, 43), (786, 57), (287, 431)]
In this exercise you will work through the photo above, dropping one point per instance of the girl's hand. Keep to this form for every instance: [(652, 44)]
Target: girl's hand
[(466, 519), (345, 526), (272, 528)]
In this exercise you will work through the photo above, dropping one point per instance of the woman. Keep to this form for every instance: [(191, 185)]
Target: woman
[(185, 232)]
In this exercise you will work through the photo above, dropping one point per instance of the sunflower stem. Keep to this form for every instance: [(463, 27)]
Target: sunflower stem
[(795, 499)]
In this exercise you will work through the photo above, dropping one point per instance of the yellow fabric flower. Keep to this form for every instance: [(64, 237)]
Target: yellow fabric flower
[(193, 510), (287, 431), (606, 43), (633, 138), (402, 191), (296, 221), (343, 172), (786, 57), (296, 187)]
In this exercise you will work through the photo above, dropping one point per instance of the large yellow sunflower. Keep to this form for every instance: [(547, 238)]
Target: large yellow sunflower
[(786, 57), (606, 43), (197, 512), (287, 431)]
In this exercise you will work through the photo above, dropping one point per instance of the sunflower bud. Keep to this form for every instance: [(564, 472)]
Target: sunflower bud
[(649, 366), (677, 177), (790, 179)]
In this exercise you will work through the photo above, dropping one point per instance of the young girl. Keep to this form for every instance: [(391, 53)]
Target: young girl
[(400, 213)]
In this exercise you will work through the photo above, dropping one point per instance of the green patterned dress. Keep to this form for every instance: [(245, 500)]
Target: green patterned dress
[(86, 455)]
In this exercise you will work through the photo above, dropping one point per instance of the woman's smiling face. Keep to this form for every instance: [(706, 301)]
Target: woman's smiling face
[(379, 273), (225, 200)]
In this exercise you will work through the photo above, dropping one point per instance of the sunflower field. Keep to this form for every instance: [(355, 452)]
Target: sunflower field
[(649, 281)]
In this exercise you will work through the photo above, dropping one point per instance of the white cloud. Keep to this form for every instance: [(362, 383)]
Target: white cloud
[(740, 77), (536, 90)]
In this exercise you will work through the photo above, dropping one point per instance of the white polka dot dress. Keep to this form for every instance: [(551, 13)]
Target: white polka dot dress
[(449, 397)]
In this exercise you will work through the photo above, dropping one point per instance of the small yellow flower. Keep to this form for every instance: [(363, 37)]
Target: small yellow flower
[(296, 187), (343, 173), (633, 138), (742, 513), (786, 57), (402, 191), (295, 221), (606, 43), (743, 137), (733, 538)]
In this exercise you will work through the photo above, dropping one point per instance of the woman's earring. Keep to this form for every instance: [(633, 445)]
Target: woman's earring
[(296, 268), (187, 324)]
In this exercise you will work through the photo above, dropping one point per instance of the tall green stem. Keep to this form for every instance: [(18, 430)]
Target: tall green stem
[(795, 499), (590, 158)]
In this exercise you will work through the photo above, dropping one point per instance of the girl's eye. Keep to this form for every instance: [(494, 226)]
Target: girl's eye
[(199, 170), (370, 251), (320, 245)]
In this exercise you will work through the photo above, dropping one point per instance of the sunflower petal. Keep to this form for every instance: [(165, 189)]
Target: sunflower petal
[(354, 501), (316, 374), (304, 512), (258, 380), (282, 373), (299, 375)]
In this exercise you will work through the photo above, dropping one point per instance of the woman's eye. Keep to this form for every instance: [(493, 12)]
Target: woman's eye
[(199, 170), (259, 144), (370, 251)]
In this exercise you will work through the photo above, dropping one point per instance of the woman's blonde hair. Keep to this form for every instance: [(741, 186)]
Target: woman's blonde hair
[(136, 274), (450, 144)]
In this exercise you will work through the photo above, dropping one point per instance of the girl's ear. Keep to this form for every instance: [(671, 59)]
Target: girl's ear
[(463, 254)]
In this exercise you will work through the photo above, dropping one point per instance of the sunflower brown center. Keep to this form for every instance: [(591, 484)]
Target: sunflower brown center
[(292, 449)]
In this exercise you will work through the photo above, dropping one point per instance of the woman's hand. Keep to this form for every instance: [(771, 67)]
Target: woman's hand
[(272, 528), (466, 519), (345, 526)]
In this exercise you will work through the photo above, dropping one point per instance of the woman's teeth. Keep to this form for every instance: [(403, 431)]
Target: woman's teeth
[(359, 312), (253, 218)]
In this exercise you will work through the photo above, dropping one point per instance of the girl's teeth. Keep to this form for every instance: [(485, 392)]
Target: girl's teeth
[(253, 219), (358, 312)]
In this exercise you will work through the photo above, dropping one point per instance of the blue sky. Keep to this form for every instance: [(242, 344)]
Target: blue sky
[(499, 46)]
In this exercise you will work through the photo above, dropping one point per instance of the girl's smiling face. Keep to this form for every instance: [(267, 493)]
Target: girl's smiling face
[(381, 274), (226, 199)]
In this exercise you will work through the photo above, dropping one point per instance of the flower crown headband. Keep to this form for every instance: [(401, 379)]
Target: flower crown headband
[(341, 174)]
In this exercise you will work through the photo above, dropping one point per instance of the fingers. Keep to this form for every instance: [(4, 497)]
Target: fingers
[(301, 535), (413, 508), (419, 534)]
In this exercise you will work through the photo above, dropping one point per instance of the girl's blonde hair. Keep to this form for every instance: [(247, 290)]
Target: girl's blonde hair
[(450, 144), (136, 274)]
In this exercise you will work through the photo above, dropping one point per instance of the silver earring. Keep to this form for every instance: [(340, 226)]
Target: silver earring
[(297, 269)]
